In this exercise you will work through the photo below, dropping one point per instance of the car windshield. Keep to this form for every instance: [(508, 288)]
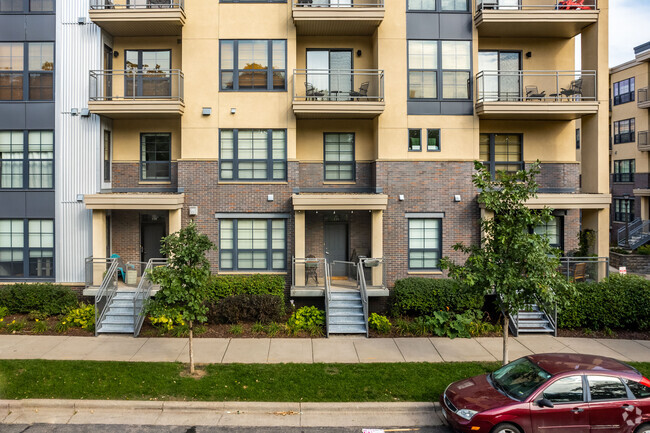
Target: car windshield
[(520, 378)]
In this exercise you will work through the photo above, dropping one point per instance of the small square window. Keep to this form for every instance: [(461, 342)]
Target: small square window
[(415, 140), (433, 140)]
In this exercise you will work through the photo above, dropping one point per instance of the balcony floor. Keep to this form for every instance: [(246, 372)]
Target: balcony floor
[(535, 110), (318, 21), (338, 109)]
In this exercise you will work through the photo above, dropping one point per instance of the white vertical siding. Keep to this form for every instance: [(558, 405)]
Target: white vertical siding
[(78, 50)]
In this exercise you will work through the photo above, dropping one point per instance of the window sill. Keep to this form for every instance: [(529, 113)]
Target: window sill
[(270, 182), (333, 182), (251, 273), (166, 182), (424, 273)]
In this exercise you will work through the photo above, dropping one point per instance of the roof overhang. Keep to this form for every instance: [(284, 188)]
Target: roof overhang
[(134, 201), (568, 201), (340, 201)]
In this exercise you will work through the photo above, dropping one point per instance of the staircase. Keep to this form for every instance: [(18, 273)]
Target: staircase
[(118, 318), (346, 314), (635, 234), (533, 320)]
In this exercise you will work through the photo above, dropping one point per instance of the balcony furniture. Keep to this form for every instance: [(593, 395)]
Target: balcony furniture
[(159, 4), (575, 89), (573, 5), (312, 93), (532, 93), (304, 3), (579, 272), (311, 269), (120, 270), (363, 91)]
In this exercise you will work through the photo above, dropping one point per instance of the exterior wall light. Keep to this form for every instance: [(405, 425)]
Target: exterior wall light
[(207, 111), (457, 198), (193, 210), (401, 197), (85, 112), (270, 197), (233, 110)]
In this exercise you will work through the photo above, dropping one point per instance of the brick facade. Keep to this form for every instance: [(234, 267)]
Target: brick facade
[(558, 177), (127, 175), (312, 176), (125, 230)]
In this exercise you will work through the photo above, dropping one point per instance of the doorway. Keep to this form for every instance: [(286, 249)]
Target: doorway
[(506, 86), (153, 227), (147, 73), (334, 75), (336, 247), (108, 74)]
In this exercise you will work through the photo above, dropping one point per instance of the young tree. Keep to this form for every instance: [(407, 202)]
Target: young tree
[(183, 283), (519, 266)]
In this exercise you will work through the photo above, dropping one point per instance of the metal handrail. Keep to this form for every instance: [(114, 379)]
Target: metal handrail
[(363, 290), (118, 81), (550, 4), (305, 261), (570, 90), (107, 289), (632, 224), (143, 294), (338, 4), (632, 229), (380, 262), (328, 299), (568, 262), (373, 79), (137, 4)]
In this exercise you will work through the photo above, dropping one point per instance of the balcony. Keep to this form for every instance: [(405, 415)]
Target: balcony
[(139, 17), (642, 141), (536, 95), (136, 93), (338, 94), (337, 17), (534, 18), (642, 100)]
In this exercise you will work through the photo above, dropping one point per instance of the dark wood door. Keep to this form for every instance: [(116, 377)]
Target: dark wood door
[(152, 233)]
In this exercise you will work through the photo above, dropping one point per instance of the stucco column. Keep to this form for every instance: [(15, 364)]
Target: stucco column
[(598, 221), (174, 221), (99, 245), (644, 208), (299, 250), (377, 245)]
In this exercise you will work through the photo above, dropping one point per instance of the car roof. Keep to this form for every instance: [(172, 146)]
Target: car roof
[(558, 363)]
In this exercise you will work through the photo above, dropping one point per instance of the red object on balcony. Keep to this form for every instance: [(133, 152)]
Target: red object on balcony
[(574, 5)]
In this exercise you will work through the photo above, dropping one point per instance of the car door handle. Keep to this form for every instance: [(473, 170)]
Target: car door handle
[(577, 410), (627, 406)]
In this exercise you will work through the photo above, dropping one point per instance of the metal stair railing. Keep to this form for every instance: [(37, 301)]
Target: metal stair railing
[(514, 324), (550, 312), (143, 294), (106, 292), (361, 278), (628, 229), (641, 233), (328, 298)]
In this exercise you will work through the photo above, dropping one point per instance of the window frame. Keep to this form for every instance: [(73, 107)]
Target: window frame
[(352, 163), (584, 390), (617, 174), (25, 160), (26, 248), (439, 149), (269, 70), (438, 8), (619, 212), (270, 161), (630, 136), (409, 249), (419, 131), (559, 220), (269, 245), (628, 393), (26, 9), (578, 138), (492, 163), (26, 72), (142, 162), (624, 98)]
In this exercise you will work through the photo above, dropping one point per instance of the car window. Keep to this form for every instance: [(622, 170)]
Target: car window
[(638, 389), (520, 378), (565, 390), (606, 388)]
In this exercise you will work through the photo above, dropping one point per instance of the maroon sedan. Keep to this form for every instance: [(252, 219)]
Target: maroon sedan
[(551, 393)]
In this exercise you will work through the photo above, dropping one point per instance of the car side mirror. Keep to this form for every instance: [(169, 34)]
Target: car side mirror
[(544, 402)]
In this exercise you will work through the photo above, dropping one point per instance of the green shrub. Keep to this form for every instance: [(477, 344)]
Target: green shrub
[(380, 323), (618, 302), (163, 317), (306, 319), (4, 312), (236, 330), (82, 317), (247, 308), (223, 286), (16, 326), (62, 326), (643, 250), (619, 250), (37, 315), (274, 328), (423, 296), (39, 327), (47, 298)]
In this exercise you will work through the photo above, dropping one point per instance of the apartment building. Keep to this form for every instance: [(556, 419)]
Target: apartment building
[(302, 132), (630, 165)]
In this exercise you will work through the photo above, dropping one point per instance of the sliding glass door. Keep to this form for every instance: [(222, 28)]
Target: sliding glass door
[(334, 75), (148, 73), (505, 84)]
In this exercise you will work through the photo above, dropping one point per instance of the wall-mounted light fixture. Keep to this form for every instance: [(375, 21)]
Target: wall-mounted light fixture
[(233, 110), (80, 197), (359, 53), (401, 197), (74, 112), (116, 54), (529, 55), (207, 111), (81, 21), (85, 112), (457, 197), (193, 210), (270, 197)]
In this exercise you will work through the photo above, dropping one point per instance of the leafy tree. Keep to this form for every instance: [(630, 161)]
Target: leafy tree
[(520, 267), (184, 282)]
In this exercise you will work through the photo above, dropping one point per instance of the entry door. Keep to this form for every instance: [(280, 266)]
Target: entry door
[(501, 87), (335, 72), (148, 73), (108, 77), (152, 233), (336, 247)]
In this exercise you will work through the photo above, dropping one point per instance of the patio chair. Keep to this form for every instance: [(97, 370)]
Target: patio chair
[(305, 3), (363, 91), (575, 89), (532, 93), (579, 272), (312, 93), (159, 4), (311, 269), (120, 269)]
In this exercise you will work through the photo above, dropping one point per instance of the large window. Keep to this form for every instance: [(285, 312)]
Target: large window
[(253, 65), (252, 244), (37, 170), (443, 5), (624, 170), (253, 154), (36, 70), (553, 231), (606, 388), (155, 157), (12, 64), (339, 156), (22, 6), (425, 243), (26, 248), (502, 152), (624, 91), (623, 209), (439, 69), (624, 131)]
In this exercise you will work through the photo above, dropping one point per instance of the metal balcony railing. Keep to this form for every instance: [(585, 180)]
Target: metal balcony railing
[(643, 96), (136, 4), (338, 3), (338, 85), (642, 141), (544, 5), (134, 84), (536, 86)]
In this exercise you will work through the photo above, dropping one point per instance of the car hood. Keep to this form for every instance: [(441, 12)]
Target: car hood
[(477, 394)]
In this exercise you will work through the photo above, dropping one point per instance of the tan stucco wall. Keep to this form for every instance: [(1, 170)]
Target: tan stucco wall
[(126, 137)]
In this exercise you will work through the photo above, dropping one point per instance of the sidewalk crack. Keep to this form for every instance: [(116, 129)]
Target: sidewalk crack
[(225, 351), (398, 349)]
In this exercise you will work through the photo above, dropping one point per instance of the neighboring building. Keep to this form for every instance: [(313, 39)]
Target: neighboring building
[(630, 164), (321, 128)]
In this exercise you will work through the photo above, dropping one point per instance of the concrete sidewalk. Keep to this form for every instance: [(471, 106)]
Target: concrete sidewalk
[(296, 350)]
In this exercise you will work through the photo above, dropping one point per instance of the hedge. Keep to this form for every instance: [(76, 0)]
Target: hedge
[(423, 296), (224, 286), (618, 302), (47, 298), (247, 308)]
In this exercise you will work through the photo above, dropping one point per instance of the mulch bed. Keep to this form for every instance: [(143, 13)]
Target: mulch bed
[(29, 324)]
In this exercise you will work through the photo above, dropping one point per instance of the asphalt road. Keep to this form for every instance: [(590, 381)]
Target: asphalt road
[(95, 428)]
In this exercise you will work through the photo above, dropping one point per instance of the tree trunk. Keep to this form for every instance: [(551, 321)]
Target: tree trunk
[(191, 350), (506, 323)]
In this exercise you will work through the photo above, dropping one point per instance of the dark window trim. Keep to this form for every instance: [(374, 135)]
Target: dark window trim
[(26, 160), (353, 163), (438, 8), (556, 219), (169, 171), (408, 248), (269, 70), (409, 140), (439, 149), (577, 138), (269, 158), (269, 246), (26, 72), (623, 98), (26, 10), (619, 176), (628, 137), (26, 249), (493, 162), (619, 216)]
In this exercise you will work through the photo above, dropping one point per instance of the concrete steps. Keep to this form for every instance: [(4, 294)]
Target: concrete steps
[(533, 320), (119, 315), (346, 313)]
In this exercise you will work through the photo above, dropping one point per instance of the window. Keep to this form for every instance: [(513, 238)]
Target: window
[(252, 244), (623, 209), (41, 67), (40, 151), (253, 154), (38, 166), (155, 158), (433, 140), (425, 68), (624, 131), (11, 59), (421, 5), (624, 170), (26, 239), (502, 152), (624, 91), (41, 5), (18, 6), (107, 155), (339, 156), (553, 231), (11, 6), (577, 139), (454, 5), (415, 144), (253, 65), (606, 388), (638, 389), (565, 390), (430, 5), (37, 71), (11, 159), (425, 240)]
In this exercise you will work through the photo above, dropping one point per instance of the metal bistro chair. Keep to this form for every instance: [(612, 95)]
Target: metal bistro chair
[(532, 93), (312, 93), (363, 91), (575, 89)]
